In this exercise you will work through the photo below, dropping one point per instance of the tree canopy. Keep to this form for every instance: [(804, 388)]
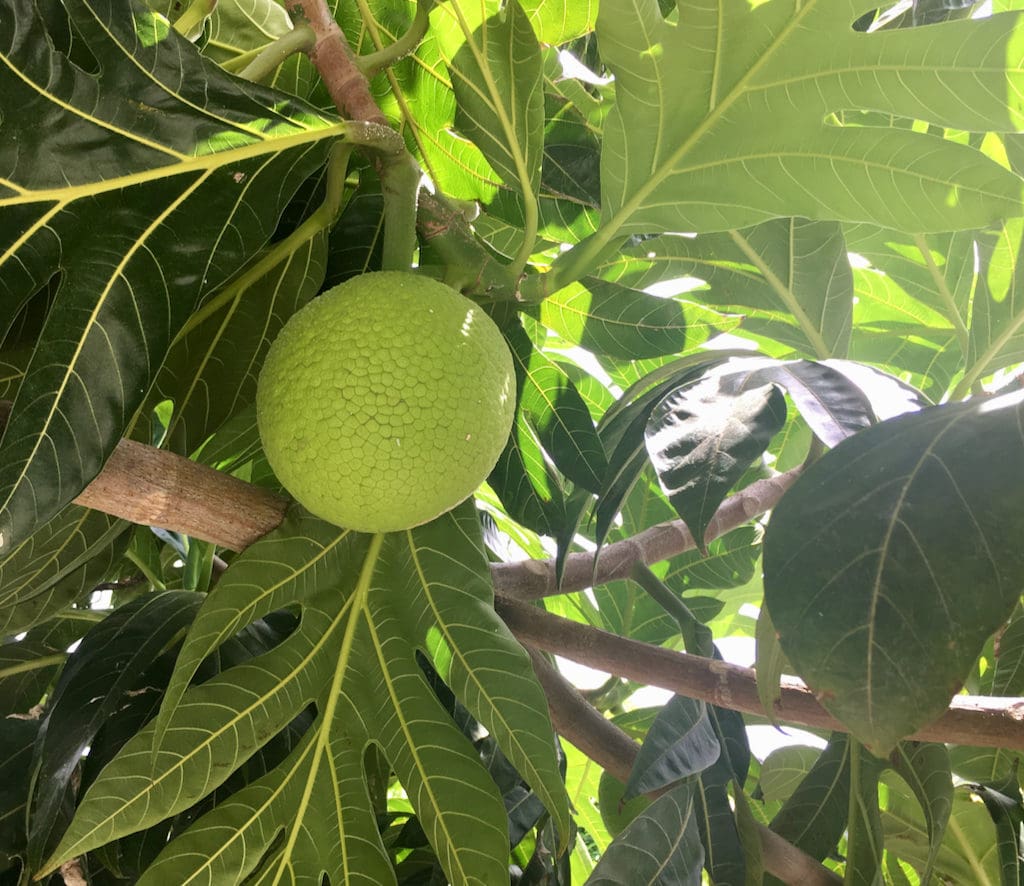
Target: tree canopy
[(759, 267)]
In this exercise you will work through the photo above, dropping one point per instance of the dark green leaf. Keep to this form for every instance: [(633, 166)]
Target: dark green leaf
[(1003, 803), (16, 740), (234, 443), (864, 827), (925, 767), (832, 405), (554, 409), (106, 665), (724, 856), (622, 432), (879, 606), (889, 396), (660, 846), (211, 373), (56, 565), (183, 168), (26, 668), (355, 242), (681, 742), (529, 487), (814, 816), (732, 735), (12, 370), (730, 562), (748, 826), (1008, 678)]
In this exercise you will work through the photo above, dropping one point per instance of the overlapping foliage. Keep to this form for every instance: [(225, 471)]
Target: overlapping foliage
[(722, 239)]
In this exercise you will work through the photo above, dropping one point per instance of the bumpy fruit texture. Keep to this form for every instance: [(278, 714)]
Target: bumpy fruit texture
[(386, 401)]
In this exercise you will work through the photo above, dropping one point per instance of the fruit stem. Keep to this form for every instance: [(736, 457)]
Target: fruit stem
[(400, 183)]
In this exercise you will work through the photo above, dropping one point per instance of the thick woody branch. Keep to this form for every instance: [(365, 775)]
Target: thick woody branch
[(970, 720), (602, 741), (336, 63), (156, 488), (536, 578)]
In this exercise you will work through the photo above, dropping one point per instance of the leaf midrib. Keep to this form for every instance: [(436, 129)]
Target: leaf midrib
[(632, 205), (202, 163), (358, 604), (882, 551), (186, 667), (300, 667), (469, 670), (452, 853)]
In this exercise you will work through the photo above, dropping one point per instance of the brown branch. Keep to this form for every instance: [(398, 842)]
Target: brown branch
[(533, 579), (336, 63), (72, 874), (152, 487), (606, 744), (156, 488), (970, 720)]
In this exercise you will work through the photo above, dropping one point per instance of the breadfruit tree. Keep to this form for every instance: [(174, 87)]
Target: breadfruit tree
[(757, 266)]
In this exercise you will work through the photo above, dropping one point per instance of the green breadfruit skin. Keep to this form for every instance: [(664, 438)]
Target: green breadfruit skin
[(386, 401)]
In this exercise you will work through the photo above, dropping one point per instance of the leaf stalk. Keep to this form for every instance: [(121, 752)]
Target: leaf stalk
[(376, 62), (571, 265), (23, 667), (322, 218), (300, 39), (190, 23)]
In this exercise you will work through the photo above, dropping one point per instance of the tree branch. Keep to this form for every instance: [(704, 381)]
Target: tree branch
[(970, 720), (606, 744), (157, 488), (335, 61), (533, 579)]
